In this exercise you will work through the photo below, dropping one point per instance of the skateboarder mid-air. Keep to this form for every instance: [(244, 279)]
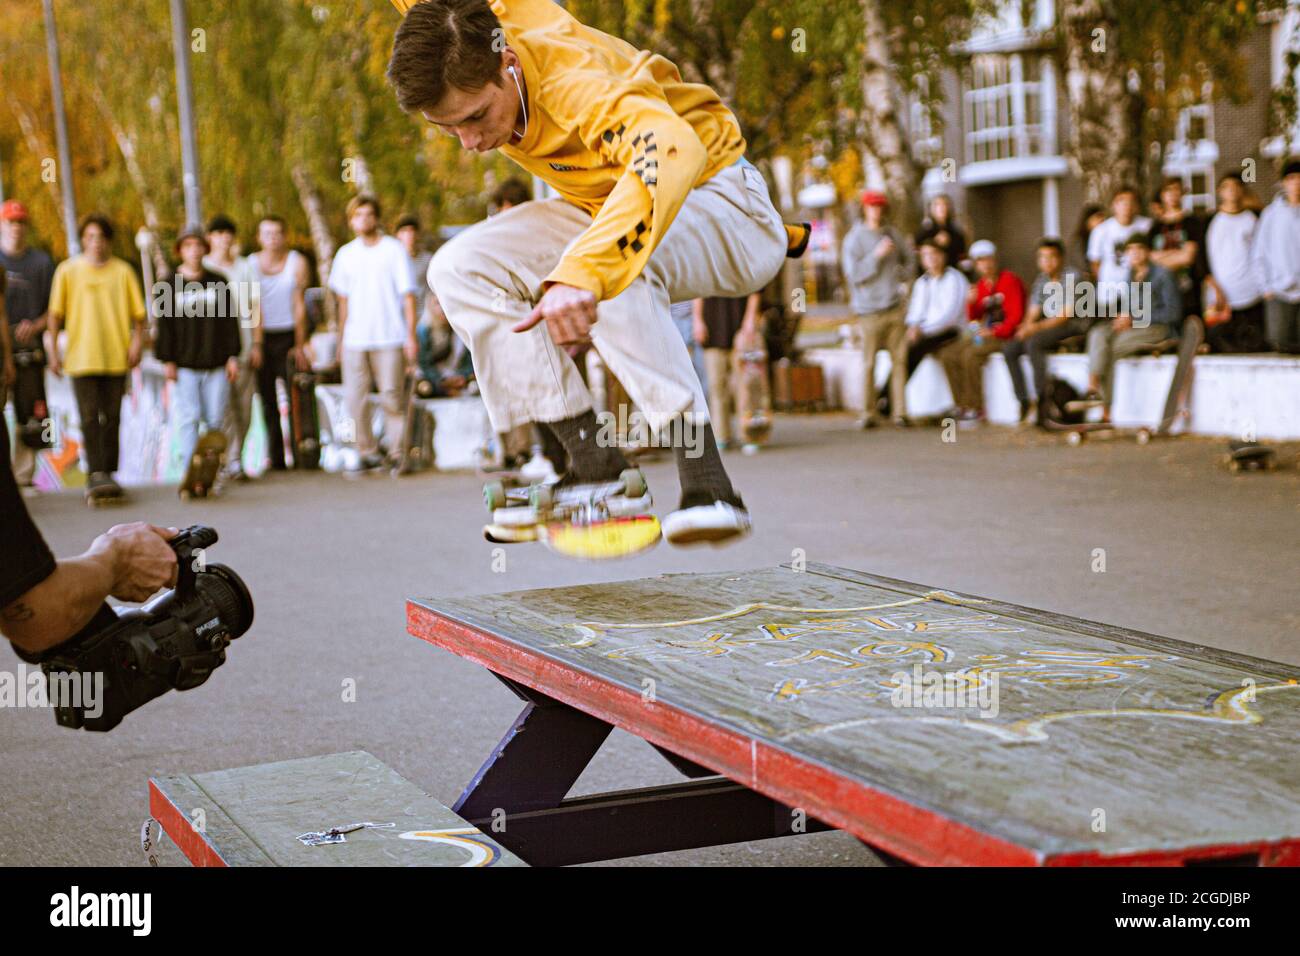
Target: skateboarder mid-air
[(632, 150)]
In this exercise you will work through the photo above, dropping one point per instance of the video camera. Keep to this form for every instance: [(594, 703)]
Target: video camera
[(993, 312), (174, 642)]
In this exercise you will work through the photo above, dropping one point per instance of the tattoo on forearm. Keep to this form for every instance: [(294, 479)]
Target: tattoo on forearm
[(18, 611)]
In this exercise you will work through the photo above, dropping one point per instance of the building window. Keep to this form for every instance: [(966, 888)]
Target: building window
[(1192, 155), (1285, 43), (1004, 102), (927, 146)]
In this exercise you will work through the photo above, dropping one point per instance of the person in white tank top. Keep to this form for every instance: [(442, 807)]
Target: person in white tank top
[(279, 325)]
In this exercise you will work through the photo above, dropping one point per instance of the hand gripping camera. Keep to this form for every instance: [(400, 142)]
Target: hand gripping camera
[(174, 642)]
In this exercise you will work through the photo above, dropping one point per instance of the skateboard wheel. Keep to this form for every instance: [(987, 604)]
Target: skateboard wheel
[(1075, 438), (1234, 466), (494, 495), (1143, 436), (541, 497), (634, 484)]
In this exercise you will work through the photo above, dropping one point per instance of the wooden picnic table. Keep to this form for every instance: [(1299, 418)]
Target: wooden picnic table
[(937, 727)]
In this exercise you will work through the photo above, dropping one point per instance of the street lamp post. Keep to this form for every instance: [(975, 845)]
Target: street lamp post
[(61, 132), (185, 101)]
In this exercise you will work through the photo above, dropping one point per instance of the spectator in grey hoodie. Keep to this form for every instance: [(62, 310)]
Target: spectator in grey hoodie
[(876, 261), (1277, 255)]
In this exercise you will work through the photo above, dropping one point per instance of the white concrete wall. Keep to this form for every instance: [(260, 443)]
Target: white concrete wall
[(1232, 395)]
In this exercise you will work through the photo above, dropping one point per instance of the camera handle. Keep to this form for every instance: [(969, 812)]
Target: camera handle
[(189, 545)]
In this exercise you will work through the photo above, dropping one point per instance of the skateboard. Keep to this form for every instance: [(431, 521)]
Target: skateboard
[(204, 465), (1077, 433), (594, 521), (304, 416), (1178, 404), (417, 432), (104, 492), (753, 393), (1249, 456)]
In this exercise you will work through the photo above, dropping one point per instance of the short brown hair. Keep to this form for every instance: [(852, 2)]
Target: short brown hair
[(96, 219), (443, 44), (356, 202)]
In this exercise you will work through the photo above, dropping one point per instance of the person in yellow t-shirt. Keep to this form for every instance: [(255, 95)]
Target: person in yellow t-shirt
[(632, 150), (96, 299)]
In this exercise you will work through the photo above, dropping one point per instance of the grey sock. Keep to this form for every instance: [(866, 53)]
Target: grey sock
[(700, 470), (589, 459)]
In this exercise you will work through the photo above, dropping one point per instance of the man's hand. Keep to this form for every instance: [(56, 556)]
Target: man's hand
[(142, 561), (913, 334), (1026, 330), (412, 350), (255, 356), (569, 313), (302, 356), (232, 370), (134, 352), (1122, 323), (169, 370), (25, 331), (884, 247)]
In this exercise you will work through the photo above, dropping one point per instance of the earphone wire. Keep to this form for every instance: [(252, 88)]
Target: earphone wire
[(522, 105)]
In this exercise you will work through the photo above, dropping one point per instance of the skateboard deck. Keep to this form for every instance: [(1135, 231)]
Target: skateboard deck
[(204, 465), (1249, 456), (304, 416), (1177, 404), (753, 391), (1076, 433), (417, 429), (588, 521)]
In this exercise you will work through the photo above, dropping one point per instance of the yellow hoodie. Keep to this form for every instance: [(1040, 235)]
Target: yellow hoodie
[(616, 131)]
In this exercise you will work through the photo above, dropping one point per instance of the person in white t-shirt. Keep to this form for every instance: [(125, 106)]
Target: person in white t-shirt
[(935, 315), (1106, 244), (371, 276), (1234, 271)]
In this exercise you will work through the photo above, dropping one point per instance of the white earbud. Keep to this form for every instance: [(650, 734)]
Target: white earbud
[(522, 105)]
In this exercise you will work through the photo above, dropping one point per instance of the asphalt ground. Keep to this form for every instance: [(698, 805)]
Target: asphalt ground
[(1190, 551)]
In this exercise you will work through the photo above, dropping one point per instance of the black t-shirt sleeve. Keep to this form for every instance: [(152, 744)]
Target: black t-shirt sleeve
[(44, 286), (25, 558)]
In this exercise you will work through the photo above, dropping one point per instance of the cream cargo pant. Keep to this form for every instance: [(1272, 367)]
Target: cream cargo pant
[(727, 240), (385, 368)]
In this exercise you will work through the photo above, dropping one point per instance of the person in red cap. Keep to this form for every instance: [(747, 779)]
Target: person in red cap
[(877, 263), (27, 275)]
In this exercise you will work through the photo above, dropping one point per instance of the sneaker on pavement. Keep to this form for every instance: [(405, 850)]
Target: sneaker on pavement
[(367, 462), (701, 520)]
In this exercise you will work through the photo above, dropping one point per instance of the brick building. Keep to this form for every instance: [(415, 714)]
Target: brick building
[(1006, 126)]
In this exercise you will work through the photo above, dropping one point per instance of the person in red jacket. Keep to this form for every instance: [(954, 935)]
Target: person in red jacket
[(994, 308)]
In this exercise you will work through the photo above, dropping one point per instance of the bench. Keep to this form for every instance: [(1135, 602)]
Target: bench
[(936, 727), (253, 816)]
